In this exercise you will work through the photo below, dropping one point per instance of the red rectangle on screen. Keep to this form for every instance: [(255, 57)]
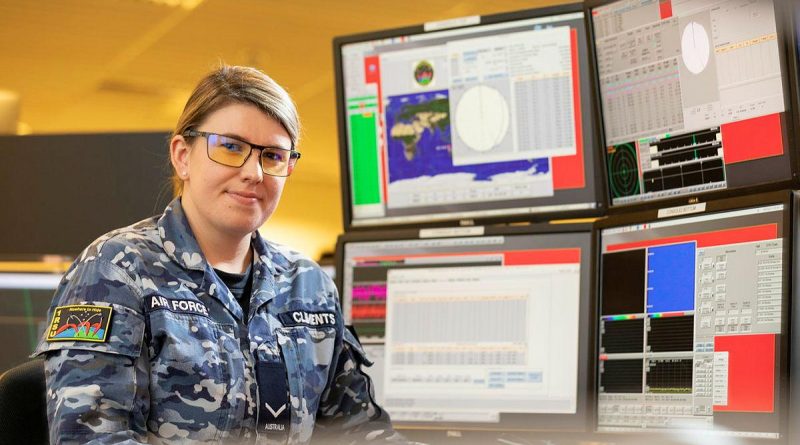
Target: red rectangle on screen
[(708, 239), (751, 372), (756, 138), (665, 8), (568, 171), (372, 69), (361, 312), (550, 256)]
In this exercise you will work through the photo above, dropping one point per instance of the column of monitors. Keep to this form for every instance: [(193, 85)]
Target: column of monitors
[(487, 119)]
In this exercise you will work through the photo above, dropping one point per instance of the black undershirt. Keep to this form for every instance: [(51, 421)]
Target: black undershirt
[(241, 286)]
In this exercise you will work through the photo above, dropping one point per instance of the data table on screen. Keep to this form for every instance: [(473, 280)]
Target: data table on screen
[(485, 332)]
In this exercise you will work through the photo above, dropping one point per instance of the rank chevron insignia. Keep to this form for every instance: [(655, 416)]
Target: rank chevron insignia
[(273, 412)]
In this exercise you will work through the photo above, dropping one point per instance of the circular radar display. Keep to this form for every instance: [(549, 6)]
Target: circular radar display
[(623, 171), (695, 48), (482, 118)]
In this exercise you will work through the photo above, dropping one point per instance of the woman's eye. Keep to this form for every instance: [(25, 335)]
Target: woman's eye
[(274, 155), (232, 147)]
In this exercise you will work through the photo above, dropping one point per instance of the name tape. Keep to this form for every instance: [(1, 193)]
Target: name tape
[(304, 318)]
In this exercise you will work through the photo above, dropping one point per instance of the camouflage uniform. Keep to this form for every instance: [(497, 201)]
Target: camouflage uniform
[(179, 365)]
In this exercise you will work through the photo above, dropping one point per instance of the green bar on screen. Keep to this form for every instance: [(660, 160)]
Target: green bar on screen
[(364, 146)]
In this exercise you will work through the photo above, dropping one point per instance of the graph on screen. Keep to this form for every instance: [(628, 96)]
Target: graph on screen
[(691, 315)]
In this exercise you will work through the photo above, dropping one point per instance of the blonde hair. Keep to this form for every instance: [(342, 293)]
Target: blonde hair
[(228, 84)]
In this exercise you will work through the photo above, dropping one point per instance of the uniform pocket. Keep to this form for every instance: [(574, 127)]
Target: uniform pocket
[(193, 371)]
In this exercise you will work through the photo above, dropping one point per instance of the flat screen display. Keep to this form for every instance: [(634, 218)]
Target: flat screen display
[(60, 192), (483, 121), (489, 331), (692, 324), (24, 301), (693, 96)]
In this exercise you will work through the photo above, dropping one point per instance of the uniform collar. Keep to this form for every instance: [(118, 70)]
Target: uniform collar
[(266, 258), (178, 239), (268, 263), (181, 246)]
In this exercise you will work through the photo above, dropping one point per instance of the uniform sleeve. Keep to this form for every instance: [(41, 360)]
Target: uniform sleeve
[(348, 413), (97, 390)]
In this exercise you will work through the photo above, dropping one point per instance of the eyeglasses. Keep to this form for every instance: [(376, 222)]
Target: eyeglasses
[(232, 152)]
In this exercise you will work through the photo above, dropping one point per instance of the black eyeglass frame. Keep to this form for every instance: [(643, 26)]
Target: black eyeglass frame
[(293, 154)]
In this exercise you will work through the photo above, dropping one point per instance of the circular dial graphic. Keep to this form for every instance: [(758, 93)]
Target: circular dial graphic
[(482, 118), (623, 172), (695, 47)]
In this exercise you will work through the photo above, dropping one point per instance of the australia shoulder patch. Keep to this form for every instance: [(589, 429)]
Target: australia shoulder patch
[(82, 322)]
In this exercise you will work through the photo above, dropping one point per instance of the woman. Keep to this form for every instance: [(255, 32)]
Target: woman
[(189, 327)]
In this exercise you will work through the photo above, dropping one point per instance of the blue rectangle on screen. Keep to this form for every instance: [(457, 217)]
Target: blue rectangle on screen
[(670, 278)]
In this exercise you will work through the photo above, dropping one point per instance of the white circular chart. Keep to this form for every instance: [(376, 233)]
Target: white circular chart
[(482, 118), (695, 47)]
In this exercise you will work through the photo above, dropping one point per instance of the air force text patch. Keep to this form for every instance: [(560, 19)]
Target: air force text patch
[(82, 322), (179, 306), (305, 318)]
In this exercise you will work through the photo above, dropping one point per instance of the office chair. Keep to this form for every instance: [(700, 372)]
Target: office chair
[(23, 405)]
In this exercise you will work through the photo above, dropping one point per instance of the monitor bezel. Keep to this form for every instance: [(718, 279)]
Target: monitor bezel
[(789, 60), (565, 425), (449, 221), (38, 278), (794, 334), (789, 199)]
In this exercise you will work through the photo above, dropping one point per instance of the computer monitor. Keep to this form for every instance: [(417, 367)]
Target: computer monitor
[(60, 192), (694, 97), (488, 332), (694, 321), (25, 298), (481, 118)]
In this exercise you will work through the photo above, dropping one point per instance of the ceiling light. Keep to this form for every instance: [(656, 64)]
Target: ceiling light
[(185, 4)]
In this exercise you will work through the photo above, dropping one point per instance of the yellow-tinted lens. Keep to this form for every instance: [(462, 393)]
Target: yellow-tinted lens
[(227, 151), (275, 161)]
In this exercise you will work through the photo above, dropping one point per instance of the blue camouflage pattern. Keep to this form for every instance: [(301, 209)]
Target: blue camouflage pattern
[(178, 363)]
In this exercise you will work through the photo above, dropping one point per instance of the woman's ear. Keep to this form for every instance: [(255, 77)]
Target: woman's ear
[(179, 150)]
